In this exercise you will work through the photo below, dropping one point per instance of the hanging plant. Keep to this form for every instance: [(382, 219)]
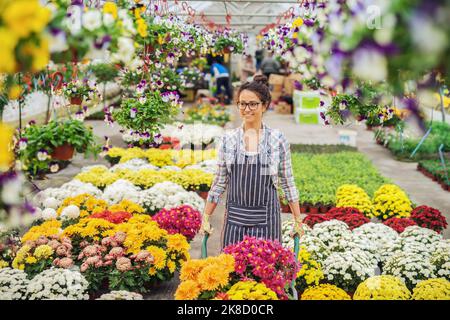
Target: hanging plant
[(149, 112), (43, 149)]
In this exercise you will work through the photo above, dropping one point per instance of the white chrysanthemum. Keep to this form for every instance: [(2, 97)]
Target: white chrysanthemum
[(13, 284), (121, 295), (347, 269), (169, 195), (409, 266), (332, 232), (134, 164), (70, 212), (58, 283), (121, 190)]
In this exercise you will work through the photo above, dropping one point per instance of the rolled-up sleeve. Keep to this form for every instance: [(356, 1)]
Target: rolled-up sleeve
[(221, 178), (285, 174)]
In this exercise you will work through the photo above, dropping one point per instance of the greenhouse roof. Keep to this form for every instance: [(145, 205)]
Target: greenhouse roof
[(247, 16)]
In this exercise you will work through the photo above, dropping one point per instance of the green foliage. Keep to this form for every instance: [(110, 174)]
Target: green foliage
[(104, 72), (318, 176), (321, 148), (226, 42)]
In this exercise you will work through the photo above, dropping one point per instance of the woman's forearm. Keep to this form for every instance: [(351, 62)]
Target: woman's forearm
[(295, 209), (209, 208)]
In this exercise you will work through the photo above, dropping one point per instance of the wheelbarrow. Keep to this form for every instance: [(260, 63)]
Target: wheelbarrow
[(296, 251)]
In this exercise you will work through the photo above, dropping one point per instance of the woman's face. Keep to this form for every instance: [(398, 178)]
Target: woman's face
[(254, 108)]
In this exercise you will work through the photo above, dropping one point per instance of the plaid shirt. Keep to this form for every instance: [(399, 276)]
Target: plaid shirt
[(276, 160)]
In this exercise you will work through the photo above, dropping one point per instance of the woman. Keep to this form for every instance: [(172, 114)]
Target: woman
[(252, 160)]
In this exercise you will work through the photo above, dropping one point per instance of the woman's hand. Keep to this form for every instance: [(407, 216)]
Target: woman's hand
[(298, 228), (206, 226)]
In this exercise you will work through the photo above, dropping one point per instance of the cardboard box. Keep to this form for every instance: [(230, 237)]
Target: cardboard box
[(190, 95), (276, 95), (289, 83), (283, 108), (276, 79)]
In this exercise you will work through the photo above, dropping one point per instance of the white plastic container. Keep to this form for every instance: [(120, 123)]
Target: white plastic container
[(348, 137)]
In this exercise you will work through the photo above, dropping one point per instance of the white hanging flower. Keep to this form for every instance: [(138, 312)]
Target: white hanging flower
[(370, 65), (92, 20)]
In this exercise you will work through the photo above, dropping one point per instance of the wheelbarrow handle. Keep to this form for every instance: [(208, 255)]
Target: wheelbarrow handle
[(205, 246)]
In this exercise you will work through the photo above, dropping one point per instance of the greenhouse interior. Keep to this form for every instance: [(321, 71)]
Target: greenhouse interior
[(224, 150)]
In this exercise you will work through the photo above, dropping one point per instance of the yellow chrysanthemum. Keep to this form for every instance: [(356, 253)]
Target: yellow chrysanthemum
[(325, 292), (30, 260), (48, 228), (213, 277), (187, 290), (159, 256), (349, 195), (3, 264), (432, 289), (177, 242), (90, 228), (251, 290), (191, 269), (384, 287), (43, 252)]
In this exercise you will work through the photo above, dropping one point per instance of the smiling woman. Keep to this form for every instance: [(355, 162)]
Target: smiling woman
[(252, 159)]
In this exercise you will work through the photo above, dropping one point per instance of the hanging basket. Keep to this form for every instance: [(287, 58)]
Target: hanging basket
[(63, 153)]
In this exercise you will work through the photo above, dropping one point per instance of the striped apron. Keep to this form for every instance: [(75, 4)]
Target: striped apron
[(253, 206)]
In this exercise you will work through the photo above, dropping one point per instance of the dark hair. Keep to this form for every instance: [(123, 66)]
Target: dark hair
[(259, 86)]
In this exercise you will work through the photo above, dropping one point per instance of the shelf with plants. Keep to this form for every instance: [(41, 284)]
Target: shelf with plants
[(318, 176), (434, 169), (402, 146), (207, 113)]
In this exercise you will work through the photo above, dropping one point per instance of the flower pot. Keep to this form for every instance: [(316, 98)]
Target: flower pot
[(78, 100), (323, 209), (304, 208), (64, 152), (313, 210)]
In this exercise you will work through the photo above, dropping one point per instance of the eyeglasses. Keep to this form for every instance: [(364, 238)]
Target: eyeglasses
[(251, 105)]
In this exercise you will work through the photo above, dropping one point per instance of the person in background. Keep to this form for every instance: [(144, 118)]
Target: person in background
[(259, 55), (222, 76), (269, 65), (247, 68)]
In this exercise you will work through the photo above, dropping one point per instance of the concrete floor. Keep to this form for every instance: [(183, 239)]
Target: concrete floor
[(420, 189)]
